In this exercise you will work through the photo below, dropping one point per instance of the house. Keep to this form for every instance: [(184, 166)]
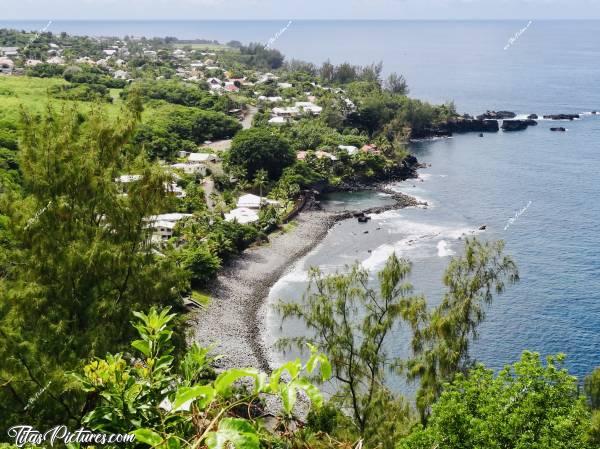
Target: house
[(267, 77), (242, 215), (250, 201), (6, 66), (202, 157), (163, 225), (150, 54), (231, 87), (85, 60), (309, 107), (179, 53), (370, 148), (324, 154), (191, 168), (350, 149), (196, 65), (284, 85), (301, 155), (214, 83), (288, 111), (9, 52), (270, 99), (174, 189), (109, 52), (278, 121), (126, 179), (56, 60), (32, 62), (121, 75)]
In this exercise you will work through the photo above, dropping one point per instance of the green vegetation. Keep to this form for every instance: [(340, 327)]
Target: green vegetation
[(258, 149), (79, 253)]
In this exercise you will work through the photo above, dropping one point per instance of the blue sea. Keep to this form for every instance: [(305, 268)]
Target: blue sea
[(536, 189)]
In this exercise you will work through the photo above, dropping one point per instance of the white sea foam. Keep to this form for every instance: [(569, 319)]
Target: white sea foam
[(443, 249)]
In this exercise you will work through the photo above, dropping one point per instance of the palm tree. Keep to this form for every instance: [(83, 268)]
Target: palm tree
[(260, 180)]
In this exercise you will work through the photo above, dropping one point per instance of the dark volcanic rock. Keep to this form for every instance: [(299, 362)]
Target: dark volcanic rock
[(493, 115), (517, 125), (532, 116), (561, 116), (560, 128), (466, 126)]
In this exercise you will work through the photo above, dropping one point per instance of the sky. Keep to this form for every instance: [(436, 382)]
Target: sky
[(298, 9)]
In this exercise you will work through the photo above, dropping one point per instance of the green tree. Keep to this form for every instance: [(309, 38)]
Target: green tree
[(396, 84), (442, 337), (526, 406), (81, 260), (349, 321), (592, 389), (260, 149)]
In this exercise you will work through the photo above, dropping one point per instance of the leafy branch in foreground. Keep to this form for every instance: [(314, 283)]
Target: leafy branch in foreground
[(186, 405)]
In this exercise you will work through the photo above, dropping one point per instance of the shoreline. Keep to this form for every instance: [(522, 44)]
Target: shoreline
[(233, 323)]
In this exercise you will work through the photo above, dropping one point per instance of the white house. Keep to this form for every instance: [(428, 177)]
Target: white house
[(162, 225), (191, 168), (33, 62), (56, 60), (121, 74), (126, 179), (278, 121), (284, 85), (173, 188), (109, 52), (270, 99), (242, 215), (6, 66), (309, 107), (288, 111), (350, 149), (202, 157), (9, 52), (250, 201)]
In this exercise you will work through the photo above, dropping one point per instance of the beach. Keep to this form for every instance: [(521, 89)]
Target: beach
[(233, 323)]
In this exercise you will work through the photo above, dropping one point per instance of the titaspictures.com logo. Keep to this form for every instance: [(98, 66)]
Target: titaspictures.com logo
[(61, 435)]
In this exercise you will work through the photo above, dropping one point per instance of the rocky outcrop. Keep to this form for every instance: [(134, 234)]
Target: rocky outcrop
[(561, 116), (532, 117), (459, 125), (499, 115), (560, 128), (470, 125), (517, 125)]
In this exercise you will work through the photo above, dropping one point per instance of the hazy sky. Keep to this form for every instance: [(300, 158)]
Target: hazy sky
[(298, 9)]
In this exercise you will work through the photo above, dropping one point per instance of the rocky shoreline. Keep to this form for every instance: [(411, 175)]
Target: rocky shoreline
[(233, 324)]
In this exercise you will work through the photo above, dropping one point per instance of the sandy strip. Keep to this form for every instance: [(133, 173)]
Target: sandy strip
[(231, 322)]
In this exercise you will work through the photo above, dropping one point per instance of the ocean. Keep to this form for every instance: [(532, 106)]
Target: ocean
[(536, 189)]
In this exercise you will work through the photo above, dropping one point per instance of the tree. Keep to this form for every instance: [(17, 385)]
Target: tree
[(527, 405), (81, 260), (257, 149), (349, 321), (442, 337), (396, 84), (260, 180), (592, 389)]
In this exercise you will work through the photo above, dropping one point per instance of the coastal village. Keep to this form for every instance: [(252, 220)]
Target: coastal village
[(175, 181)]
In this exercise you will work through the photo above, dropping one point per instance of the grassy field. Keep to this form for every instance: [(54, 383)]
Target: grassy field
[(18, 92)]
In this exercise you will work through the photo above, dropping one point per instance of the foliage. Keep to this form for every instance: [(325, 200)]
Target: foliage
[(81, 92), (442, 337), (592, 389), (349, 321), (260, 149), (527, 405), (200, 262), (80, 258), (185, 405), (46, 70)]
